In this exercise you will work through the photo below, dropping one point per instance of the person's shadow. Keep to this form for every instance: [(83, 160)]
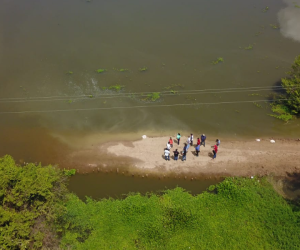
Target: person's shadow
[(210, 154), (194, 153)]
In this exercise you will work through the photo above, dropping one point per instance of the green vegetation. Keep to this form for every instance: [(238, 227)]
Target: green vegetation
[(101, 70), (116, 87), (235, 214), (37, 212), (173, 91), (219, 60), (70, 101), (250, 47), (31, 200), (287, 106), (143, 69), (69, 72)]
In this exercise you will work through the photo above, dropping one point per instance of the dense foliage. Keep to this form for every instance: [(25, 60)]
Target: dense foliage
[(236, 214), (30, 198), (288, 105)]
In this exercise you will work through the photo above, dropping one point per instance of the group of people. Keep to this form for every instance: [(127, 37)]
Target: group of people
[(189, 142)]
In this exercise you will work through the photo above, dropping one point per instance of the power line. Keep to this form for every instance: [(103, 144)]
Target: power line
[(129, 95), (131, 107)]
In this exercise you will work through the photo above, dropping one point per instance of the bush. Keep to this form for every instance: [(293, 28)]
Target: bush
[(30, 197), (240, 214)]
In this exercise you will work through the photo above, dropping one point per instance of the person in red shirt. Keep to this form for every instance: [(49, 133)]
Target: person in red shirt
[(171, 142), (198, 141), (215, 151)]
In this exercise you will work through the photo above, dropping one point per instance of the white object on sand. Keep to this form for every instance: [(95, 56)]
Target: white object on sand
[(272, 141), (144, 136), (257, 139)]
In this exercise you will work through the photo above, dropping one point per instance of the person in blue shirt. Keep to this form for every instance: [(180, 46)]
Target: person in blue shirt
[(197, 150), (203, 138)]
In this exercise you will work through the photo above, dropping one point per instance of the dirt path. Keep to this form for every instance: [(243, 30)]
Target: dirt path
[(238, 158)]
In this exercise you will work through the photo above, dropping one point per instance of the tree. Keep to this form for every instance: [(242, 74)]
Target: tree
[(287, 106)]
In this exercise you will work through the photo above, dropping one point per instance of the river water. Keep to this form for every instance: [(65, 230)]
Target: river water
[(45, 113)]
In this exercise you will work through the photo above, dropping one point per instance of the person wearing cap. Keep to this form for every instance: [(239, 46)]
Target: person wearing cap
[(203, 138)]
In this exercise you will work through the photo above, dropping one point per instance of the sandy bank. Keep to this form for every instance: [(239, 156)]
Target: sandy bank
[(238, 158)]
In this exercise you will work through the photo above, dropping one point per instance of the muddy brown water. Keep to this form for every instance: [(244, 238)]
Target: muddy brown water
[(105, 185), (40, 41)]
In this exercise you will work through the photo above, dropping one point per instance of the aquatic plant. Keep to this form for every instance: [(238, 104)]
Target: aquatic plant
[(90, 96), (143, 69), (296, 6), (254, 94), (151, 97), (250, 47), (104, 88), (257, 105), (281, 112), (274, 26), (219, 60), (116, 87), (121, 70), (174, 86), (69, 72), (70, 101), (101, 70), (173, 91), (70, 172), (265, 9)]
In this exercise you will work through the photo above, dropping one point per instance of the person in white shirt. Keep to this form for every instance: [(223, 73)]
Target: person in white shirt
[(192, 139), (188, 142), (168, 146), (167, 154)]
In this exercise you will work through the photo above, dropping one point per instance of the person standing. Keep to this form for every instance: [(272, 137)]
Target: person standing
[(171, 142), (203, 138), (198, 149), (178, 138), (176, 153), (188, 142), (167, 154), (218, 142), (168, 145), (184, 152), (215, 151), (198, 141), (192, 139)]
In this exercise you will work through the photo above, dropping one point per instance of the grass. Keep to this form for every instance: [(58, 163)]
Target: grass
[(143, 69), (219, 60), (236, 214), (152, 97), (101, 70), (70, 72)]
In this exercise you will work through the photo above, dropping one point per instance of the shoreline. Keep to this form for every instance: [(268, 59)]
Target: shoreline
[(235, 158)]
